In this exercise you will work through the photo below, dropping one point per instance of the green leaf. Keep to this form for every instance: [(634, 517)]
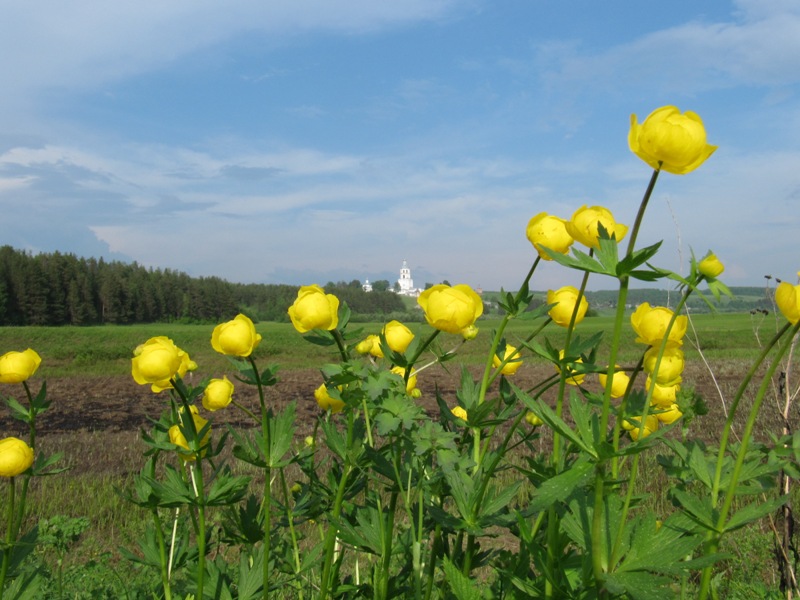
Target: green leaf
[(281, 433), (561, 486), (698, 509), (640, 585), (754, 512), (628, 264), (463, 587)]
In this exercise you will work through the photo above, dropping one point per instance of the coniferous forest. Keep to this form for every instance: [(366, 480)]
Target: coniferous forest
[(63, 289)]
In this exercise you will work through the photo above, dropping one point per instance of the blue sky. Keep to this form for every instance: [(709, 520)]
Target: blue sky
[(305, 141)]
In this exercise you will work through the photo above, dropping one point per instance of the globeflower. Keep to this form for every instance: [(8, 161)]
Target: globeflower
[(514, 360), (619, 382), (584, 225), (669, 415), (218, 394), (16, 457), (326, 402), (157, 361), (451, 309), (398, 336), (411, 384), (710, 267), (787, 297), (237, 337), (574, 378), (314, 309), (565, 299), (670, 140), (370, 345), (176, 435), (663, 395), (650, 325), (533, 419), (459, 412), (633, 425), (16, 367), (670, 367), (548, 231)]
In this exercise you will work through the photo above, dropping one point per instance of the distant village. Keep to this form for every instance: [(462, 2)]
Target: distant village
[(404, 285)]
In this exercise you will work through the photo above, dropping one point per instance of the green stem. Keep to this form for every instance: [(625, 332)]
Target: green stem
[(196, 471), (162, 553), (624, 281), (292, 533), (10, 538), (336, 511), (716, 537), (266, 502)]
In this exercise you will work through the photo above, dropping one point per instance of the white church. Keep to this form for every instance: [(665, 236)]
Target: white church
[(404, 286)]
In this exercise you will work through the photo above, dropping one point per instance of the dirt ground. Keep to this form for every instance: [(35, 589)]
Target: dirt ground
[(117, 403)]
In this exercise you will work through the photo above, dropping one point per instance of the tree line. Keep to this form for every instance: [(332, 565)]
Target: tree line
[(63, 289)]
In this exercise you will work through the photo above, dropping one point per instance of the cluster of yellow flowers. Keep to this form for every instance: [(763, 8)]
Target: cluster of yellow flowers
[(159, 361), (16, 456), (663, 367)]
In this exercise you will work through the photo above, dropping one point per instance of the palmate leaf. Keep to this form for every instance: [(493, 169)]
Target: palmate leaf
[(561, 486), (754, 511), (463, 587), (281, 433), (640, 585), (655, 549)]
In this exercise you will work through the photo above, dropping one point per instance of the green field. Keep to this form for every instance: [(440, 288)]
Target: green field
[(106, 350)]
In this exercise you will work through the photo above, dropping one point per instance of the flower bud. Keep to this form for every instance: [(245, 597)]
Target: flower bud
[(710, 267), (459, 412), (16, 457)]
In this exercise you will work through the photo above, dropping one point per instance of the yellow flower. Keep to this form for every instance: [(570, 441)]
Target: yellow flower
[(632, 425), (326, 402), (650, 325), (663, 395), (176, 435), (619, 382), (411, 384), (397, 335), (16, 457), (514, 362), (370, 345), (157, 361), (459, 412), (584, 225), (451, 309), (670, 140), (710, 266), (218, 394), (565, 299), (548, 231), (670, 367), (533, 420), (670, 415), (314, 309), (787, 297), (16, 367), (576, 378), (237, 337)]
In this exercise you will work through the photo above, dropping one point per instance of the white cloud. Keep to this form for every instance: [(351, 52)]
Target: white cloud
[(761, 46)]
